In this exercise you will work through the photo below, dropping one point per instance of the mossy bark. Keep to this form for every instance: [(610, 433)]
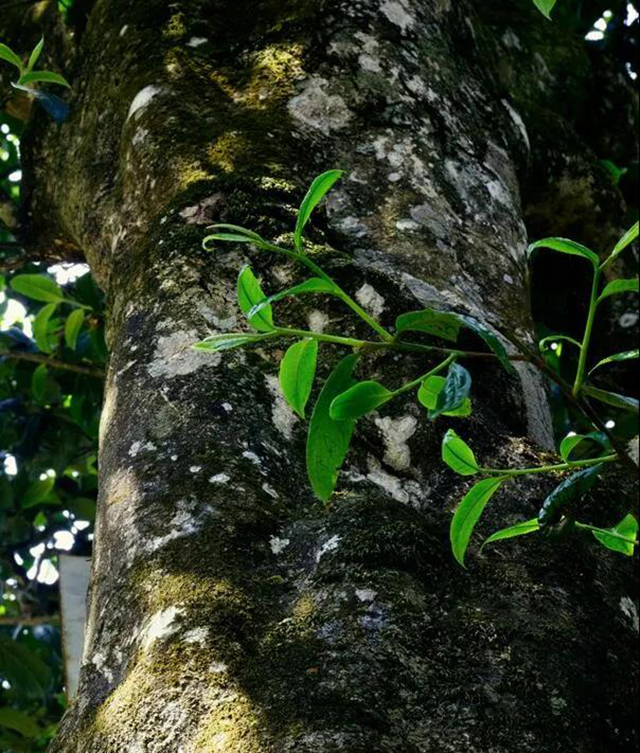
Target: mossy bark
[(229, 610)]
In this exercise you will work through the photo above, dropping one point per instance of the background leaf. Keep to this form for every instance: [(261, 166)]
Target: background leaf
[(39, 288), (41, 327), (72, 327), (45, 77)]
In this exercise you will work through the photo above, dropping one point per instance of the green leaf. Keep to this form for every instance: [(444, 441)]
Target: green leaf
[(216, 343), (39, 381), (454, 393), (520, 529), (628, 355), (468, 513), (550, 339), (328, 440), (545, 7), (35, 55), (6, 53), (26, 672), (312, 285), (626, 240), (490, 339), (41, 327), (39, 288), (320, 186), (38, 492), (45, 77), (297, 372), (19, 722), (623, 402), (570, 443), (249, 294), (572, 488), (619, 286), (627, 528), (72, 327), (458, 455), (437, 323), (565, 246), (428, 396), (361, 399)]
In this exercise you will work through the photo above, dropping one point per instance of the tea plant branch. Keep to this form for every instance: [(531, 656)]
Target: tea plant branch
[(53, 363), (584, 345), (548, 468), (612, 534)]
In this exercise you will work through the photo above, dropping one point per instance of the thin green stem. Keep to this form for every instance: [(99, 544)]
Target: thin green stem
[(414, 383), (584, 347), (336, 339), (613, 534), (549, 468)]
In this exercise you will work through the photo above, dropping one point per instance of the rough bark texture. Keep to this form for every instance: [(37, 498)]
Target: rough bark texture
[(229, 610)]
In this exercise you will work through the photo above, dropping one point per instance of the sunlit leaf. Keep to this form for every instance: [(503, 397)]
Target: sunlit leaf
[(565, 246), (361, 399), (545, 7), (38, 287), (319, 188), (249, 294), (40, 327), (45, 77), (35, 55), (627, 239), (627, 528), (520, 529), (568, 444), (229, 341), (72, 327), (619, 286), (468, 513), (313, 285), (458, 455), (297, 372), (428, 396), (628, 355), (6, 53)]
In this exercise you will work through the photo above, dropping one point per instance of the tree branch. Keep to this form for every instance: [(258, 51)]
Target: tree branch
[(53, 363)]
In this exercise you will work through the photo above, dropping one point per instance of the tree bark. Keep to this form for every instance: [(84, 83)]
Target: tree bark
[(229, 610)]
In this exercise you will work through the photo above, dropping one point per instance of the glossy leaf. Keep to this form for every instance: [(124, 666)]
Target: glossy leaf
[(629, 355), (44, 77), (249, 294), (216, 343), (437, 323), (312, 285), (38, 287), (550, 339), (545, 7), (572, 488), (627, 528), (328, 440), (319, 188), (35, 55), (520, 529), (623, 402), (72, 327), (40, 327), (619, 286), (568, 444), (458, 455), (428, 396), (490, 339), (468, 513), (297, 372), (627, 239), (361, 399), (6, 53), (455, 391), (565, 246)]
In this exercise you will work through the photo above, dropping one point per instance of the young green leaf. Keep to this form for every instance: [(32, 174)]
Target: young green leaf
[(231, 234), (72, 327), (428, 396), (454, 393), (40, 327), (623, 402), (328, 440), (545, 7), (550, 339), (568, 444), (572, 488), (520, 529), (39, 288), (297, 372), (216, 343), (35, 55), (38, 492), (627, 528), (319, 188), (45, 77), (312, 285), (468, 513), (437, 323), (249, 294), (619, 286), (628, 355), (39, 380), (565, 246), (626, 240), (361, 399), (6, 53), (458, 455)]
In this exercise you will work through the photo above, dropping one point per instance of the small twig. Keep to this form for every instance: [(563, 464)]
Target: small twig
[(54, 363)]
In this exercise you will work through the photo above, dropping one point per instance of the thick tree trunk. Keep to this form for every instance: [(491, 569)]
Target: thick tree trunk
[(229, 611)]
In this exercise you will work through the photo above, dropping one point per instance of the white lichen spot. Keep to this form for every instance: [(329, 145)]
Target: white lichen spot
[(174, 458), (630, 611), (366, 594), (394, 178), (329, 546), (99, 661), (228, 407), (143, 98), (370, 299), (270, 490), (405, 224), (174, 355), (283, 417), (160, 626), (317, 320), (195, 469), (252, 457), (508, 279), (370, 64), (217, 667), (397, 13), (391, 484), (278, 545), (124, 29), (196, 635), (317, 109), (630, 319), (220, 478), (518, 121), (396, 432), (137, 447), (499, 192), (197, 41)]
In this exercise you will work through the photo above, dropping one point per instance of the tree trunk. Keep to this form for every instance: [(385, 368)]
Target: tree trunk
[(229, 610)]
